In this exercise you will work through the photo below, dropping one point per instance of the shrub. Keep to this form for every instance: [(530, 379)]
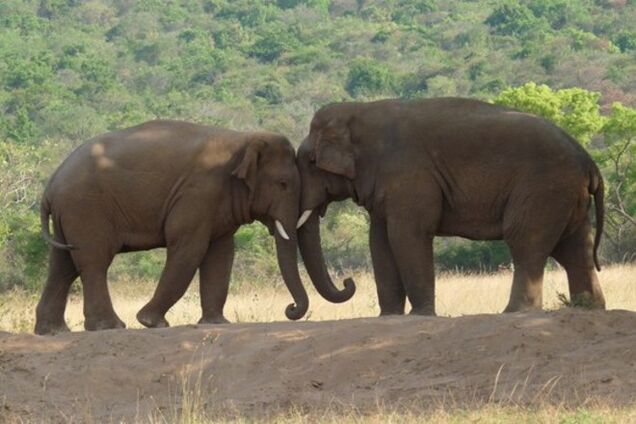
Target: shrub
[(368, 77), (272, 44), (271, 92), (625, 41), (581, 300), (465, 255), (322, 5), (516, 20)]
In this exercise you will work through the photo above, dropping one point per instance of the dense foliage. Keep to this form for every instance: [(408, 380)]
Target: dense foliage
[(71, 69)]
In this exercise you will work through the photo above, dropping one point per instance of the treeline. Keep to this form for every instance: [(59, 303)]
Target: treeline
[(71, 69)]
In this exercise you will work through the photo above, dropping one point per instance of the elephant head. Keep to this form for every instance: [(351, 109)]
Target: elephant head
[(327, 164), (267, 172)]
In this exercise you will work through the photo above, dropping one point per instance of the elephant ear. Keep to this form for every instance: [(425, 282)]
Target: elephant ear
[(248, 166), (335, 155)]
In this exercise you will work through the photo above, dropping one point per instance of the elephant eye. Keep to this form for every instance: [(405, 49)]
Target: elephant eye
[(282, 184)]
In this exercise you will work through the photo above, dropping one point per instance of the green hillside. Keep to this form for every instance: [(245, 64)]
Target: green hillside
[(71, 69)]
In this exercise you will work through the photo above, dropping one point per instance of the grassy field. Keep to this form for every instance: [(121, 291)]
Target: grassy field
[(457, 294)]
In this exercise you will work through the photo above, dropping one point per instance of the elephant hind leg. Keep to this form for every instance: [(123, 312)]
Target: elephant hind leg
[(575, 254), (531, 233), (49, 315), (527, 282), (93, 263)]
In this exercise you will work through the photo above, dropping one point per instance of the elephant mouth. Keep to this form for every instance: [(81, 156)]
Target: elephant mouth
[(322, 209), (274, 226), (270, 226)]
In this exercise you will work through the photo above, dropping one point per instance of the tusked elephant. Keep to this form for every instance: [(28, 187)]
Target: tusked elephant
[(172, 184), (451, 167)]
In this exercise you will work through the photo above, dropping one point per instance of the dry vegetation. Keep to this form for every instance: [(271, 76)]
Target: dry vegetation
[(457, 294)]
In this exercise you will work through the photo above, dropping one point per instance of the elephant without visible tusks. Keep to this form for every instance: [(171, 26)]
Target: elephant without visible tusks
[(451, 167), (170, 184)]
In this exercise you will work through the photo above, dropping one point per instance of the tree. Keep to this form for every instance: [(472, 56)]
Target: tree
[(619, 157), (574, 109), (577, 111)]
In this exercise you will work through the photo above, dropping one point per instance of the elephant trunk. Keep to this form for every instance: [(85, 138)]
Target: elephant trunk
[(311, 251), (286, 252)]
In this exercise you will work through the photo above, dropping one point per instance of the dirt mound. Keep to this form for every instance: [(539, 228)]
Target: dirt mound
[(566, 357)]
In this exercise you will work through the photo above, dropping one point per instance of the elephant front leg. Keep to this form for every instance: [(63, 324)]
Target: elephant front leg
[(413, 253), (182, 261), (391, 294), (214, 275)]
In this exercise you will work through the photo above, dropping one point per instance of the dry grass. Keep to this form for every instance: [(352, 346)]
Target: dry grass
[(457, 294), (489, 414)]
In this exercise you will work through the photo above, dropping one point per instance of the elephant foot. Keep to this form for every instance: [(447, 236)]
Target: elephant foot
[(44, 327), (522, 308), (423, 311), (151, 319), (94, 324), (390, 312), (216, 319)]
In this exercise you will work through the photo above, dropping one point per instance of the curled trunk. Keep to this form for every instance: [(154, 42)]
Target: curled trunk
[(286, 252), (311, 251)]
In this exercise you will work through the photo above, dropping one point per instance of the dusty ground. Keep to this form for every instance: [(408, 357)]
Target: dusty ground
[(563, 357)]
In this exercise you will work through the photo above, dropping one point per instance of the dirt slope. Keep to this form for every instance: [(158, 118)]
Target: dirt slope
[(558, 357)]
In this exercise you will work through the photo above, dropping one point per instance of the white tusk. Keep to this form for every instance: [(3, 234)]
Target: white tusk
[(303, 218), (281, 230)]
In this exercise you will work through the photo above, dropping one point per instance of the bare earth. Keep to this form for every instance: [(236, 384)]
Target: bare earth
[(565, 357)]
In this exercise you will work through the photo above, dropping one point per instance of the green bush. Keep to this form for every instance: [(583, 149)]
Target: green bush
[(516, 20), (271, 92), (625, 41), (345, 237), (322, 5), (272, 44), (367, 77), (465, 255), (24, 250)]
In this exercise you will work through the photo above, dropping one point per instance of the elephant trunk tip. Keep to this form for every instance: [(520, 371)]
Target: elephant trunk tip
[(348, 291), (295, 311)]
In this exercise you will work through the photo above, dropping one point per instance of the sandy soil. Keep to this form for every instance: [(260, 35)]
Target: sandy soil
[(563, 357)]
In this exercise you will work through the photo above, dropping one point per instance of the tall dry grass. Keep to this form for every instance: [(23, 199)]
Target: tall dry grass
[(457, 294)]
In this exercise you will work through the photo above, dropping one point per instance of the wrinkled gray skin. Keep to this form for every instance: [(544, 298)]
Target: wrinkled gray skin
[(169, 184), (451, 167)]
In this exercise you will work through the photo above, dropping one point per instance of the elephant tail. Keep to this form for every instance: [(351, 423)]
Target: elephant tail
[(597, 188), (45, 212)]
